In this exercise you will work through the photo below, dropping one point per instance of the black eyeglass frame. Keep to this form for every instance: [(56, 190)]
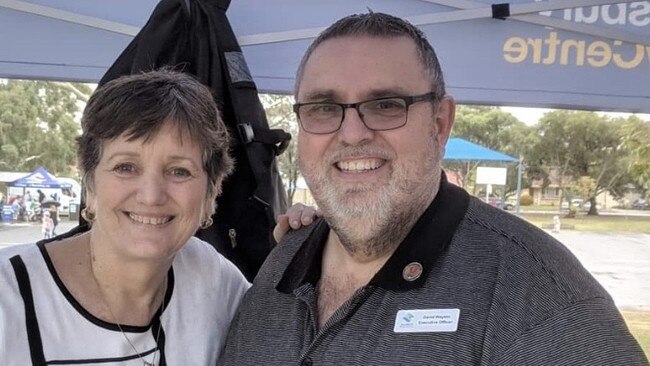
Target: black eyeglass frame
[(408, 100)]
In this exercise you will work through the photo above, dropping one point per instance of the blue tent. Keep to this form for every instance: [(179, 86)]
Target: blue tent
[(39, 178), (459, 149)]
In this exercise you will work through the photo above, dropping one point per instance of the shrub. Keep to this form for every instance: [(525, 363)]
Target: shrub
[(526, 200)]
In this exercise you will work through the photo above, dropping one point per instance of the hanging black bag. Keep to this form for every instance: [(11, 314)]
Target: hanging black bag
[(194, 36)]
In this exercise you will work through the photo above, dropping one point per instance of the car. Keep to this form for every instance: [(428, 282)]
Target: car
[(66, 201), (69, 195), (640, 204), (498, 202), (576, 203)]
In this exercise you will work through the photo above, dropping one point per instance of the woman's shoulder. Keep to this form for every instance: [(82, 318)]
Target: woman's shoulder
[(199, 254), (25, 251), (13, 259), (198, 250)]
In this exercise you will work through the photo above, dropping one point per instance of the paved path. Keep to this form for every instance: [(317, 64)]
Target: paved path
[(12, 234), (619, 261)]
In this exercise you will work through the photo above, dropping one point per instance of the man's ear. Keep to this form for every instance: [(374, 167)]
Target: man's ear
[(445, 119)]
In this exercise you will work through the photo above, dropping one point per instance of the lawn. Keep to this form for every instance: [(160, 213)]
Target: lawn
[(639, 324), (600, 223), (546, 208)]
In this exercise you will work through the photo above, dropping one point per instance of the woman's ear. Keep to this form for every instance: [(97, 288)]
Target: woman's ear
[(89, 199), (210, 204)]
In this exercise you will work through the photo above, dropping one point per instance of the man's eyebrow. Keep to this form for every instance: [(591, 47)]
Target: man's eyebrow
[(319, 95), (388, 92), (331, 96)]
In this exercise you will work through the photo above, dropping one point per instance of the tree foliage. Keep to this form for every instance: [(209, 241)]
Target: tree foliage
[(38, 126), (581, 144), (636, 142), (280, 115)]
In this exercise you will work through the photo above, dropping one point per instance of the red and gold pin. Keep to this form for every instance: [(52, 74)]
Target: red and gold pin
[(412, 271)]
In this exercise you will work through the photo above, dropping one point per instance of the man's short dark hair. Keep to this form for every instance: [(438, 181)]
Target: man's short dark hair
[(138, 106), (382, 26)]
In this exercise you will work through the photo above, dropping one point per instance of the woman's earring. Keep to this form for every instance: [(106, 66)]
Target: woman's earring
[(207, 223), (87, 215)]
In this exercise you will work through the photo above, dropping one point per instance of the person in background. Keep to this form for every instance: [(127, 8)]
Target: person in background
[(20, 211), (137, 287), (405, 268), (41, 196), (54, 214), (47, 226), (29, 203)]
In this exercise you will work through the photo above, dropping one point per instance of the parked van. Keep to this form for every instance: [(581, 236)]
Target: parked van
[(69, 195)]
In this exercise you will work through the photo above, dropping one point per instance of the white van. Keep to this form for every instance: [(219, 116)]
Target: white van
[(69, 195)]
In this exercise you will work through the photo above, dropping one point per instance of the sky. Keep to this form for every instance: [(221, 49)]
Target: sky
[(530, 116)]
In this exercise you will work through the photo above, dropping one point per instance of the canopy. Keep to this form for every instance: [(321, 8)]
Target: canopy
[(460, 149), (39, 178), (582, 54)]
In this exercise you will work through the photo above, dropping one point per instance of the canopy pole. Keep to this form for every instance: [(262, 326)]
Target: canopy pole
[(520, 169)]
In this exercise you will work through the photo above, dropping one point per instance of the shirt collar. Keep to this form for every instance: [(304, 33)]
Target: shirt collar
[(425, 243)]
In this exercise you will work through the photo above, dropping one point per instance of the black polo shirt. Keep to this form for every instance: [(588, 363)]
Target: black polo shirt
[(493, 290), (428, 239)]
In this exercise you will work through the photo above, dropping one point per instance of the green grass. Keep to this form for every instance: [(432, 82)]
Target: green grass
[(639, 325), (547, 208), (600, 223)]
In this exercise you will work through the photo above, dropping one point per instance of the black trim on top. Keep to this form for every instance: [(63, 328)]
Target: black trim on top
[(426, 242), (68, 234), (33, 331), (160, 346), (100, 360), (90, 317), (160, 338)]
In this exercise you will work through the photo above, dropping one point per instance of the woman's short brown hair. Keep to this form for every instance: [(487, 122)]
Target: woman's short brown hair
[(137, 106)]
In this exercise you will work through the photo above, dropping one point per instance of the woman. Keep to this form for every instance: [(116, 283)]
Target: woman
[(137, 288)]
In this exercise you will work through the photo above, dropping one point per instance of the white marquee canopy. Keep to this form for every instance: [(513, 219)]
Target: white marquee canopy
[(583, 54)]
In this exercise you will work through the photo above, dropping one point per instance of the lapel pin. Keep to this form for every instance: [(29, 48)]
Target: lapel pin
[(412, 271)]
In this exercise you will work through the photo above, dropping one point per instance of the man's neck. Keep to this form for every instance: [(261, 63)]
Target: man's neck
[(342, 275)]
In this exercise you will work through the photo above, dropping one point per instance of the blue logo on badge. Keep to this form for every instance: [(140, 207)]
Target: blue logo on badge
[(408, 317)]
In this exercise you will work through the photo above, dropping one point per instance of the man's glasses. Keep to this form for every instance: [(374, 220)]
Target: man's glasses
[(377, 114)]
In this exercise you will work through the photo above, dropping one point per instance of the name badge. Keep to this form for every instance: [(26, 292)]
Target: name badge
[(426, 320)]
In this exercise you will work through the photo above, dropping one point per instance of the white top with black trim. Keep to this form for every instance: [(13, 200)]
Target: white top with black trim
[(492, 290), (42, 324)]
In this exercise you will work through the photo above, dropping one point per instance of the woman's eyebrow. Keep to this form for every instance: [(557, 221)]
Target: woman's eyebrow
[(119, 154)]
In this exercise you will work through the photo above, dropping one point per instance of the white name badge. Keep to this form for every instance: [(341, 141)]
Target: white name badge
[(426, 320)]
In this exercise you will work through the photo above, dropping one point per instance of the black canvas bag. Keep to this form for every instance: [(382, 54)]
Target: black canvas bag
[(194, 36)]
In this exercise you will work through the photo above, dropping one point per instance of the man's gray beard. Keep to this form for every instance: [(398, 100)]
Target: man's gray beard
[(373, 228), (375, 225)]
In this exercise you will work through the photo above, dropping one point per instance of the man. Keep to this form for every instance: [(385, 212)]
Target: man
[(406, 269), (41, 196)]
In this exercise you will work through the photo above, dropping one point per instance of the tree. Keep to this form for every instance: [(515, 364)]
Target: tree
[(636, 141), (495, 129), (37, 125), (581, 144), (280, 115)]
